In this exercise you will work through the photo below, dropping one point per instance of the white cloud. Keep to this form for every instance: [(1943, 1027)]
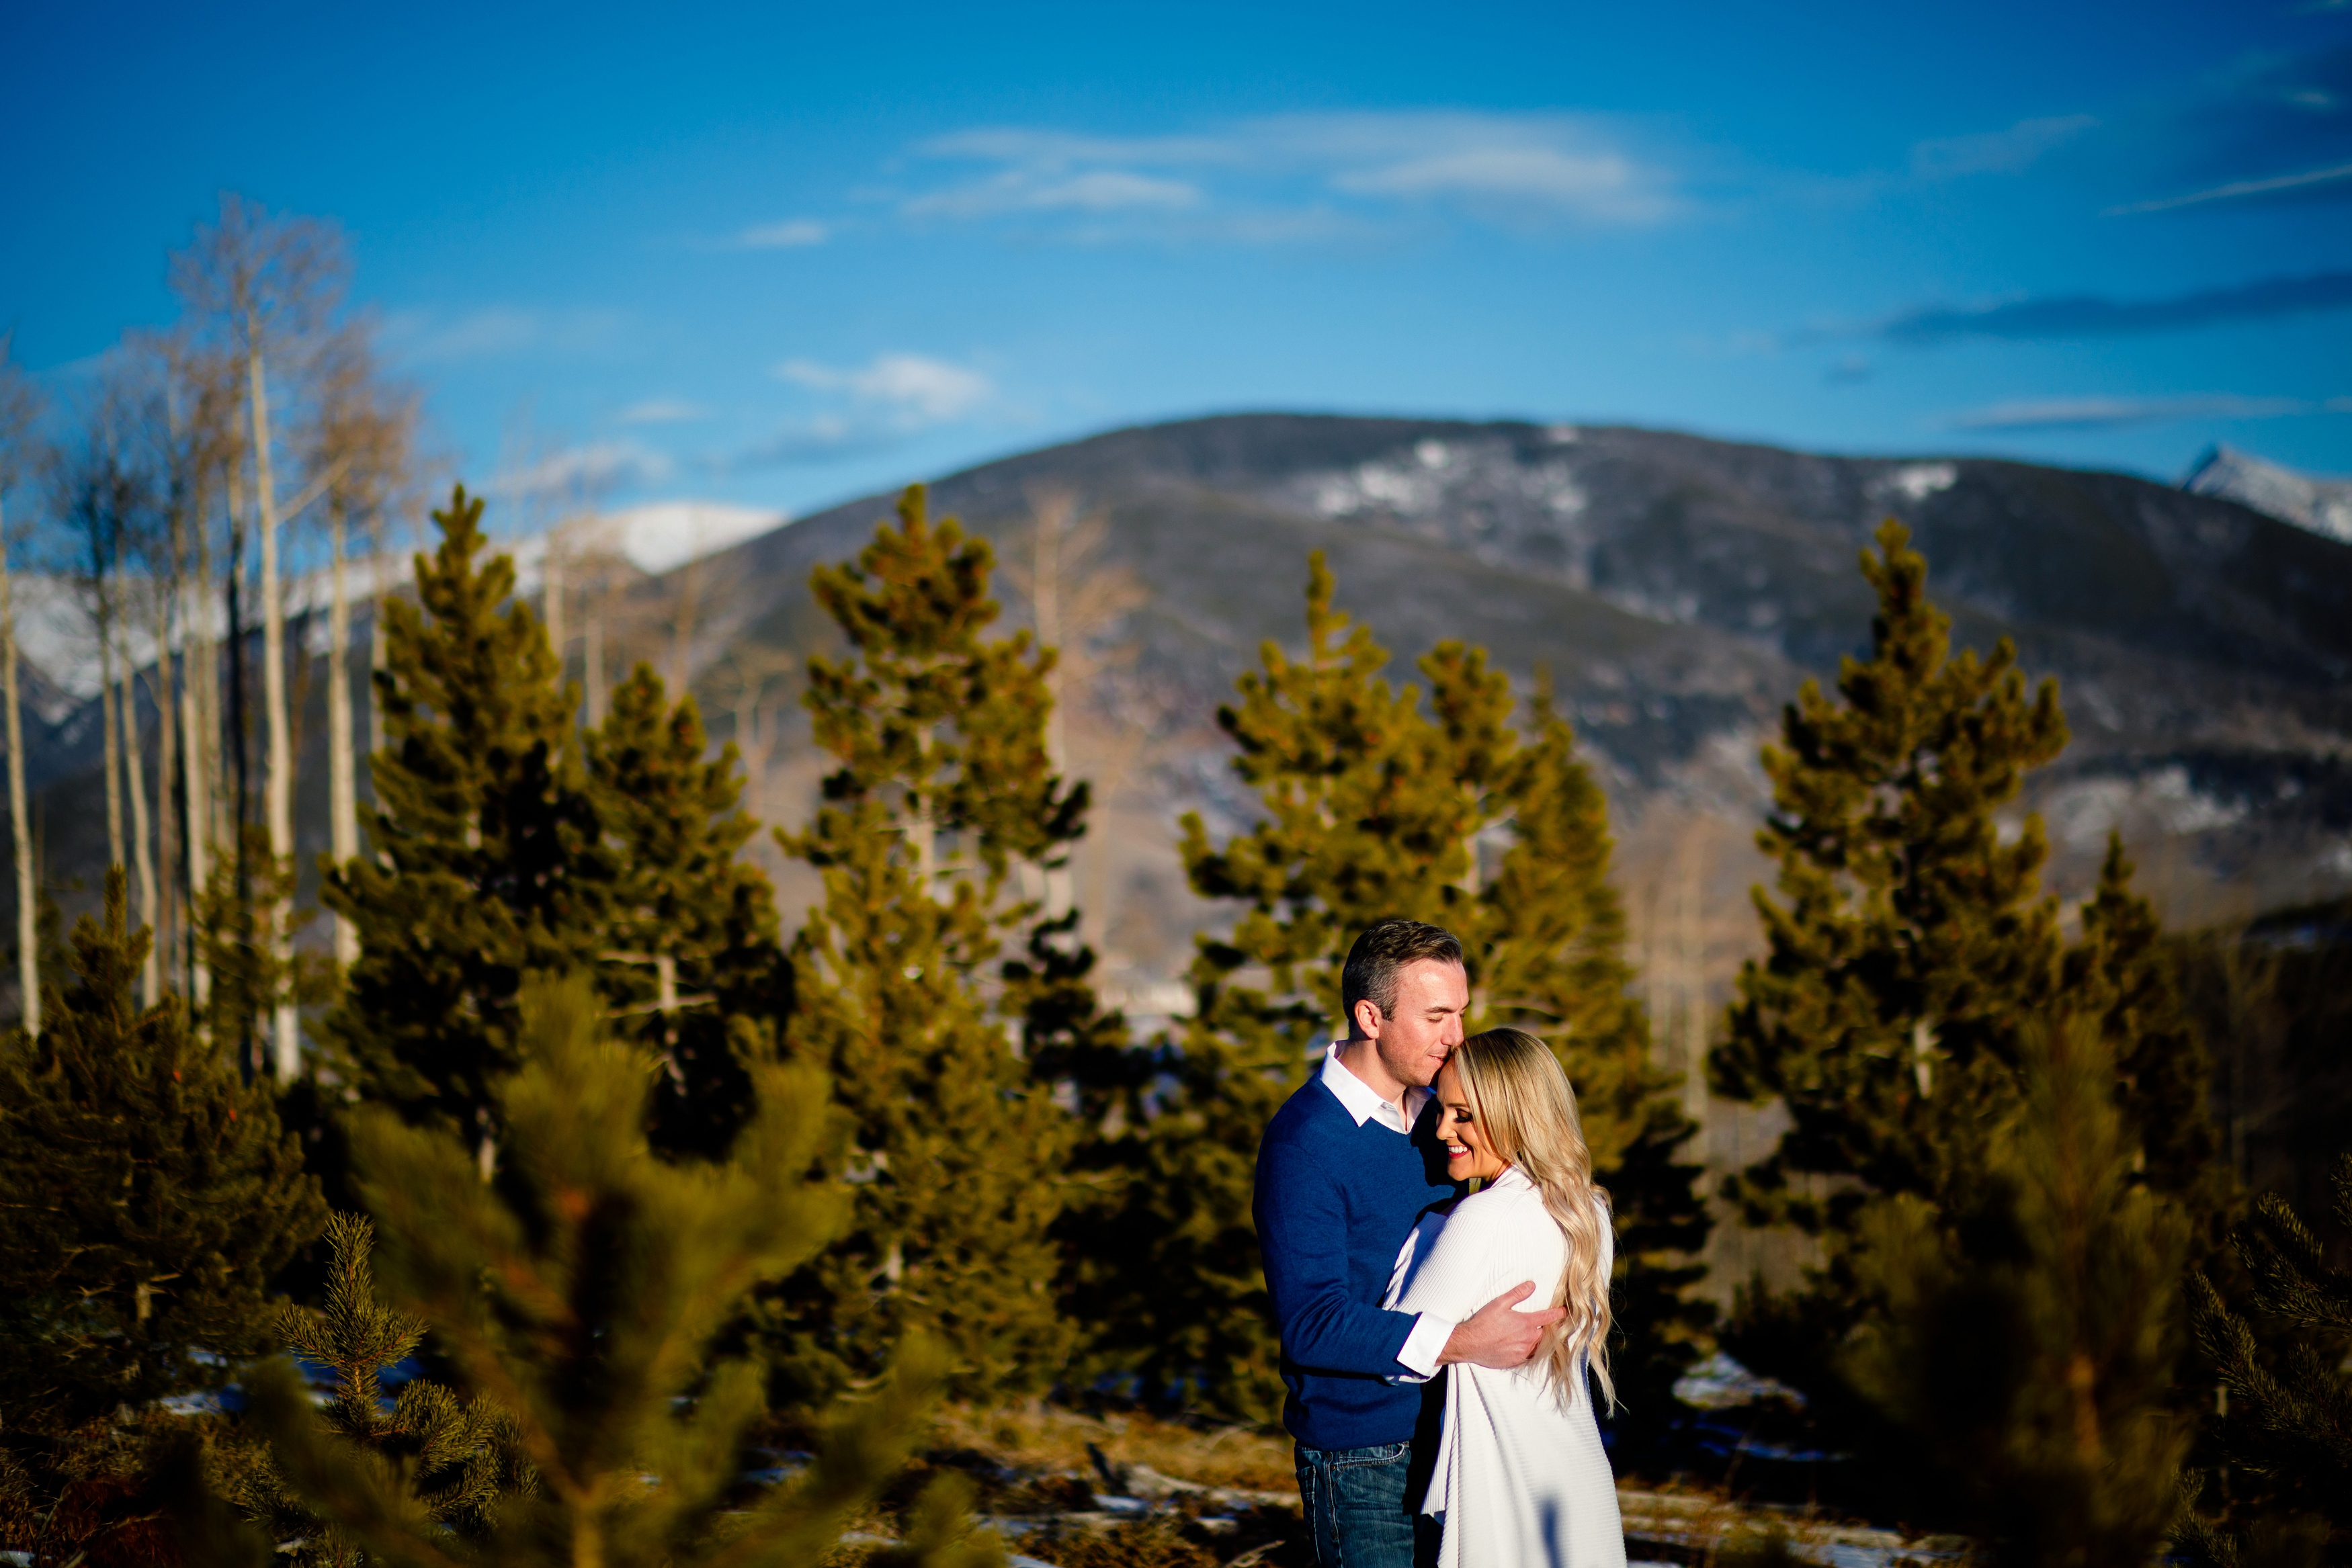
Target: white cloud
[(1604, 187), (2006, 151), (594, 466), (2099, 412), (1306, 176), (661, 410), (792, 235), (916, 386), (1034, 190)]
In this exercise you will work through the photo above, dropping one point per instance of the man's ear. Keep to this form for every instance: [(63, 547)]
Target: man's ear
[(1367, 1018)]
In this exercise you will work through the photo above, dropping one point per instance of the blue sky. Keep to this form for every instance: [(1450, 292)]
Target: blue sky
[(783, 254)]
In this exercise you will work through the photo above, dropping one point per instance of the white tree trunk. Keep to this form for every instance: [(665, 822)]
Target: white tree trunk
[(28, 946), (167, 923), (592, 653), (278, 790), (342, 787), (142, 860), (112, 748), (195, 618)]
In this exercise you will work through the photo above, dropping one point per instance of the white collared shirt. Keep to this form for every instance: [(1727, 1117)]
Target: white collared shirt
[(1361, 1101)]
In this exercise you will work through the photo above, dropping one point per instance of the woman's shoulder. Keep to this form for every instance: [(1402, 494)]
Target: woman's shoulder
[(1501, 1204)]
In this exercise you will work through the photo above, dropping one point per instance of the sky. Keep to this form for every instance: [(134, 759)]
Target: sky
[(785, 254)]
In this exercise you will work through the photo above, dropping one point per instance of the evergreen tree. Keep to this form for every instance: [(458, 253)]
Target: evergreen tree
[(1910, 953), (246, 923), (1374, 809), (955, 1151), (2024, 1333), (499, 848), (456, 1459), (583, 1289), (2122, 971), (695, 963), (2287, 1431), (1910, 943), (146, 1194), (484, 860)]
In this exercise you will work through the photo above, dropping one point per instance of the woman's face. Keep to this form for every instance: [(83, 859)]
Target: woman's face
[(1469, 1154)]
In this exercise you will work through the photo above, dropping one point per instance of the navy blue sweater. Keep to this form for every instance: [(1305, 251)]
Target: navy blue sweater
[(1333, 1203)]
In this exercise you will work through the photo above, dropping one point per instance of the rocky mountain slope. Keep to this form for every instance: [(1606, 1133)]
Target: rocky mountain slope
[(1677, 590)]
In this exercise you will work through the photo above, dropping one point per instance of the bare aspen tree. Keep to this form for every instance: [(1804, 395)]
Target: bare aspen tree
[(96, 488), (357, 444), (134, 767), (19, 416), (271, 284), (1074, 600)]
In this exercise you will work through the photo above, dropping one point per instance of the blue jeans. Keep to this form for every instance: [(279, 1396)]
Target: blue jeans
[(1358, 1509)]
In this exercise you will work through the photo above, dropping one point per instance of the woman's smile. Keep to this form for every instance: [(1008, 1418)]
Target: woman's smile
[(1469, 1156)]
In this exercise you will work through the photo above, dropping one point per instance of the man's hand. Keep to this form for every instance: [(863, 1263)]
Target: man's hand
[(1496, 1336)]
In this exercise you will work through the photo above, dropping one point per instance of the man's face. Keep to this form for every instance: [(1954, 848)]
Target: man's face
[(1432, 995)]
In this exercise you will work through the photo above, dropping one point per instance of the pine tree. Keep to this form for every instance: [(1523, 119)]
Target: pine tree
[(942, 784), (251, 966), (1912, 942), (146, 1194), (583, 1289), (2122, 971), (2287, 1431), (456, 1459), (694, 962), (1372, 810), (484, 862), (2024, 1332), (1910, 953)]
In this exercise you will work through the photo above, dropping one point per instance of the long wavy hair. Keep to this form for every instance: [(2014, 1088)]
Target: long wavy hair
[(1522, 1098)]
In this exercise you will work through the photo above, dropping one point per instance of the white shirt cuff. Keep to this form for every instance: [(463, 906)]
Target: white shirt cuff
[(1422, 1348)]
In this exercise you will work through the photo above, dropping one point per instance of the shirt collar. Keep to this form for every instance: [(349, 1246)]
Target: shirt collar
[(1360, 1101)]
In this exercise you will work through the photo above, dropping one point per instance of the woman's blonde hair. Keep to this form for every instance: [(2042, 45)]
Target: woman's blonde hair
[(1521, 1097)]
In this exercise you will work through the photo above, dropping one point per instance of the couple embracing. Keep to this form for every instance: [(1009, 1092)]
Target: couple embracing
[(1381, 1275)]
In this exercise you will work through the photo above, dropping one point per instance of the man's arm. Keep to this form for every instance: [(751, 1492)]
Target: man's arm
[(1496, 1335), (1302, 1230)]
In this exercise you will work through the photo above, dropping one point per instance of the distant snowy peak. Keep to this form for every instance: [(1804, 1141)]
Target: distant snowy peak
[(669, 534), (2323, 506)]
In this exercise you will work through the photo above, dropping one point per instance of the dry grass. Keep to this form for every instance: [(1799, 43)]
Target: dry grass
[(1046, 1438)]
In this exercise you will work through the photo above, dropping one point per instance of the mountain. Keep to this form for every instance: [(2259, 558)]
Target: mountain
[(1675, 591), (2323, 506)]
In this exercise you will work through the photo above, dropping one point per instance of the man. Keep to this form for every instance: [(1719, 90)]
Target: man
[(1341, 1181)]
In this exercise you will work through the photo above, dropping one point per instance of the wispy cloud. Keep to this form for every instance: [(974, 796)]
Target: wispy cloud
[(1040, 190), (2039, 318), (2009, 152), (427, 336), (597, 466), (1305, 177), (794, 233), (2091, 315), (661, 410), (880, 405), (2108, 413), (824, 438), (2240, 191), (915, 385)]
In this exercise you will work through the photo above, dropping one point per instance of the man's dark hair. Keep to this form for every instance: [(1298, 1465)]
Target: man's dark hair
[(1371, 974)]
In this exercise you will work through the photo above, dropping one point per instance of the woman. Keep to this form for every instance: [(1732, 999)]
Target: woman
[(1520, 1479)]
